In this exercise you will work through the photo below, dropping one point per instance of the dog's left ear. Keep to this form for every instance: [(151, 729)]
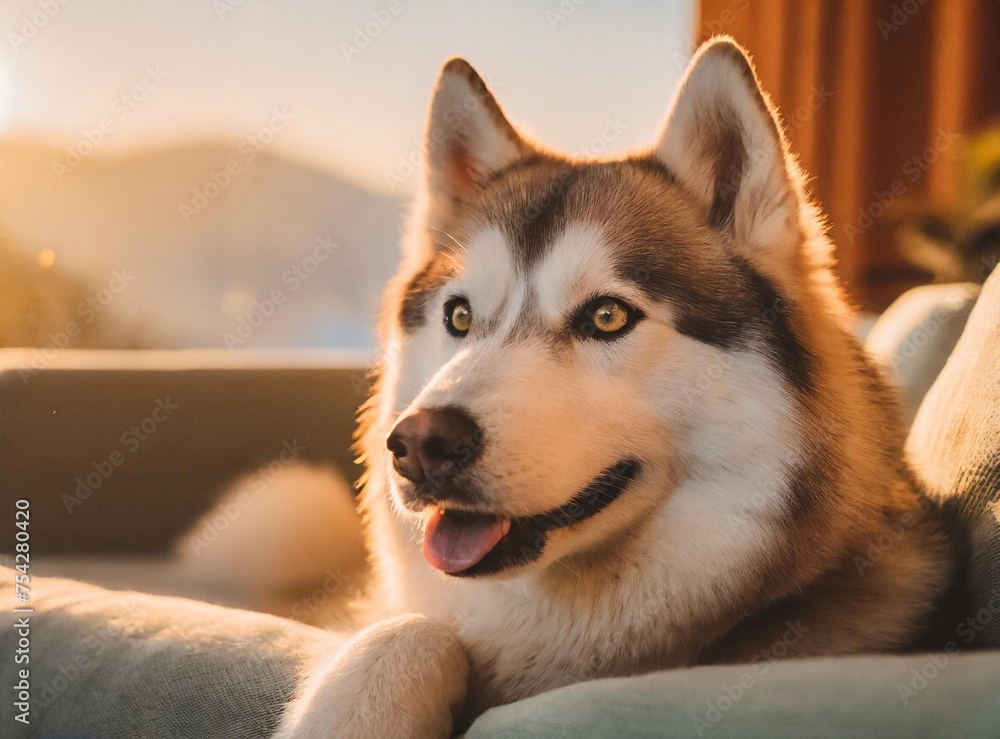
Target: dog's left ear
[(468, 138), (722, 141)]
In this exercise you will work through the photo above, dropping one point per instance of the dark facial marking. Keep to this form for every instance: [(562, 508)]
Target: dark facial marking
[(702, 311), (660, 249), (771, 322), (718, 299), (434, 274), (544, 219), (528, 201)]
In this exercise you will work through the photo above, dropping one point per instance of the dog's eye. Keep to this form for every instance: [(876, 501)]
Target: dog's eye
[(605, 318), (458, 316)]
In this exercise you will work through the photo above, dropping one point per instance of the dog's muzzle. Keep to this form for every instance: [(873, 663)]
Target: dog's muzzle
[(465, 543), (430, 447)]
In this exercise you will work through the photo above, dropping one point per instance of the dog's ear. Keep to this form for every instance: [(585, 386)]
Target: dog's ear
[(468, 138), (723, 142)]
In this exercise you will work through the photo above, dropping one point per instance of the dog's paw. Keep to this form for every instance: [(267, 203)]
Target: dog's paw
[(403, 677)]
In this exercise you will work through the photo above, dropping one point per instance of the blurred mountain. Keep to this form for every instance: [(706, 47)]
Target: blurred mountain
[(205, 245)]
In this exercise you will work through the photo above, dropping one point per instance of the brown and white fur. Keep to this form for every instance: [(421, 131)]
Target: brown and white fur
[(768, 489)]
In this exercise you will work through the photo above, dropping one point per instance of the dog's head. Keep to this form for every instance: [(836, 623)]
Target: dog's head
[(573, 336)]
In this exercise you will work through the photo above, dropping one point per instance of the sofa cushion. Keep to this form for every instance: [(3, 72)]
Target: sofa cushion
[(913, 339), (954, 446), (124, 664), (919, 695)]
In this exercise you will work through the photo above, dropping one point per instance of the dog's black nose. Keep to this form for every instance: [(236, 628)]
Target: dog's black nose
[(433, 442)]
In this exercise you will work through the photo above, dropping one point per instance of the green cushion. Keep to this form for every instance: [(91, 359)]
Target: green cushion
[(917, 695), (121, 664)]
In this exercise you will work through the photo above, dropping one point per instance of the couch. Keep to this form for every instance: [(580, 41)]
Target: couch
[(115, 662)]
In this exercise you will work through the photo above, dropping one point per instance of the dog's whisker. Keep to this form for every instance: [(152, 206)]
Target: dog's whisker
[(458, 244)]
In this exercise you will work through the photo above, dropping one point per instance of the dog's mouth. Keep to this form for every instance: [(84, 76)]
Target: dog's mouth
[(471, 544)]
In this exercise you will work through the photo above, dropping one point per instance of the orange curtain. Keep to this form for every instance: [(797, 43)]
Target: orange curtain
[(876, 96)]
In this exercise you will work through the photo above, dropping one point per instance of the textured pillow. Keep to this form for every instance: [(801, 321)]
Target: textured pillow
[(955, 448), (915, 336), (920, 695), (124, 664)]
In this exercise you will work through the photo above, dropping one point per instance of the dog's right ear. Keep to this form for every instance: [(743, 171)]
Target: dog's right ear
[(468, 138), (723, 141)]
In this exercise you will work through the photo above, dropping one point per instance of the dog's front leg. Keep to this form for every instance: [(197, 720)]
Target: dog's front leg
[(403, 677)]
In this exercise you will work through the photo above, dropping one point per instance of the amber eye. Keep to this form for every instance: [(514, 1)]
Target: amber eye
[(610, 317), (458, 316), (605, 318)]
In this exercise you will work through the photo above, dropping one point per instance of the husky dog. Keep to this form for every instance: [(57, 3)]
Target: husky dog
[(620, 424)]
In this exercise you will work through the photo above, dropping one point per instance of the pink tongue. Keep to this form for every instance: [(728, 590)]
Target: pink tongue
[(455, 541)]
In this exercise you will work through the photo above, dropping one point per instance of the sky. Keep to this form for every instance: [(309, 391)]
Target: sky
[(349, 80)]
